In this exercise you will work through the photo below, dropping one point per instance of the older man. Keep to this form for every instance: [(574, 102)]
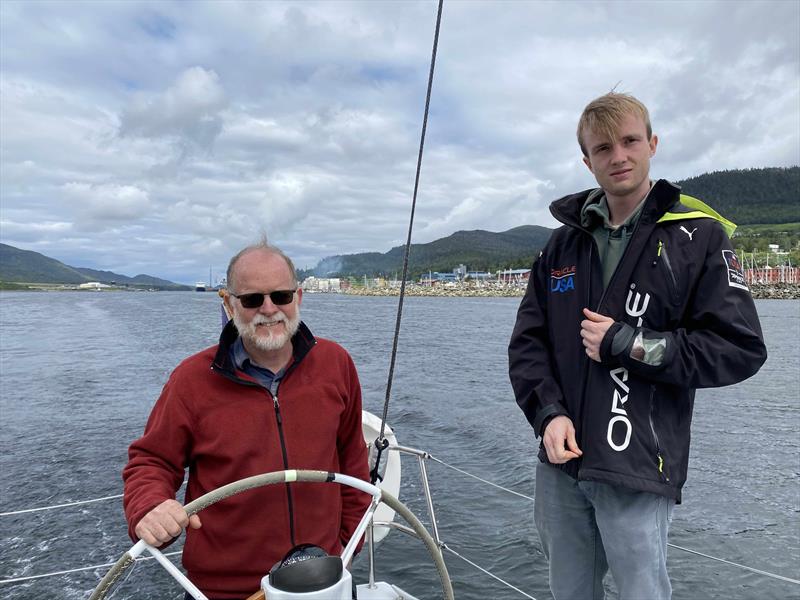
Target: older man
[(270, 396)]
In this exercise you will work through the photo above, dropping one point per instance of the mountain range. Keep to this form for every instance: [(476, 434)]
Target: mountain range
[(26, 266), (479, 250)]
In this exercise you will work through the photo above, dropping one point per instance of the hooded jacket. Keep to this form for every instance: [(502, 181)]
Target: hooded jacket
[(684, 319), (223, 426)]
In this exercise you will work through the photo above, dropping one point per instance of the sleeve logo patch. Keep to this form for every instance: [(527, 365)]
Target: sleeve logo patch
[(735, 271)]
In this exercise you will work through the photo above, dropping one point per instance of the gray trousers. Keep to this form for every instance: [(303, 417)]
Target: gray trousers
[(587, 527)]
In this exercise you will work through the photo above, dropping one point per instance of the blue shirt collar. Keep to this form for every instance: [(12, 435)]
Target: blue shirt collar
[(262, 375), (239, 355)]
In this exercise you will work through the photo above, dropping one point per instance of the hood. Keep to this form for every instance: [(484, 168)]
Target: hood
[(664, 203), (689, 207)]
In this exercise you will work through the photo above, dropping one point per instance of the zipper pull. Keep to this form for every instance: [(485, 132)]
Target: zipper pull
[(658, 252), (661, 467), (277, 409)]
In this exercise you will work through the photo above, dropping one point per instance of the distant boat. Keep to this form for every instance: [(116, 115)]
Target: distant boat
[(202, 286)]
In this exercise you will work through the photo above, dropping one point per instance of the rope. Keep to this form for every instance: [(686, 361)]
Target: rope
[(30, 510), (410, 228), (106, 565), (492, 575)]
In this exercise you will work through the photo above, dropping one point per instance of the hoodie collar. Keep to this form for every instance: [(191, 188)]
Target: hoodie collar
[(595, 210), (662, 196)]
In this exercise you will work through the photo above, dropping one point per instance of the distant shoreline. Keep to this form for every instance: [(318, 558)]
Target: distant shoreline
[(14, 286), (779, 291)]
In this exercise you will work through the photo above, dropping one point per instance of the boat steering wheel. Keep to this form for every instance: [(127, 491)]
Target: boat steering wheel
[(249, 483)]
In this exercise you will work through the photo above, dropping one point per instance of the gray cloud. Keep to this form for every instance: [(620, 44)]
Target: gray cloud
[(145, 137), (189, 111)]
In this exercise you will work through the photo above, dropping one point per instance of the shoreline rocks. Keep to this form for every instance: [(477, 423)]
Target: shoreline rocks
[(777, 291), (423, 290)]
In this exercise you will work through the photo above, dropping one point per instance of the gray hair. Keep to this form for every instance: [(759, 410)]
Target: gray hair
[(265, 246)]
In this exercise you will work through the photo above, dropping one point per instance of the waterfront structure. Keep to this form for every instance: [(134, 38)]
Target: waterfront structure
[(772, 275), (93, 285), (517, 276), (317, 284)]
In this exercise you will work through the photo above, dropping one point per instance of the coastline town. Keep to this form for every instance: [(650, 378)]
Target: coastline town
[(779, 282)]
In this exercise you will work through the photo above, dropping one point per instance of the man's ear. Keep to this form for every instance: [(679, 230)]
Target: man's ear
[(588, 164), (226, 301), (653, 144)]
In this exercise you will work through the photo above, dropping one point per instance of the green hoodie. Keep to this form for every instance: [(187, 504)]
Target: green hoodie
[(611, 241)]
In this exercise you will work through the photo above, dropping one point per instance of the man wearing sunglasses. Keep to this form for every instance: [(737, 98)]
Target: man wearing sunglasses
[(269, 397)]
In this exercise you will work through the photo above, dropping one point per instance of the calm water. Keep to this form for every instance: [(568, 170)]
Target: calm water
[(80, 372)]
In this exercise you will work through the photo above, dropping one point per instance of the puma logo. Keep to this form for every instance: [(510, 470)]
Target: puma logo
[(687, 232)]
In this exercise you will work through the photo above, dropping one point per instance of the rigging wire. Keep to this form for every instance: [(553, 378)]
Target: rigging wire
[(486, 481), (79, 502), (438, 460), (728, 562), (489, 573), (676, 547), (79, 569), (381, 442)]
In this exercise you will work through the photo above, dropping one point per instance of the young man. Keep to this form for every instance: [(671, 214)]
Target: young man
[(220, 415), (634, 303)]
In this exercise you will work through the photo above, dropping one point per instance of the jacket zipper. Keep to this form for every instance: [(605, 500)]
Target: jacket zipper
[(273, 392), (587, 360), (662, 254), (659, 457), (279, 420)]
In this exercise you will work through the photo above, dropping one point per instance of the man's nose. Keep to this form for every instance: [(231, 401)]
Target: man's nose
[(618, 154), (268, 307)]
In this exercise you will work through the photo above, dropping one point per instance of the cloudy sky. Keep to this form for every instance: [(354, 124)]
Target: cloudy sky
[(160, 137)]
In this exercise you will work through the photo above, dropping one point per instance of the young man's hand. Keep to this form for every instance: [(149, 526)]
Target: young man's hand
[(559, 441), (593, 330), (165, 522)]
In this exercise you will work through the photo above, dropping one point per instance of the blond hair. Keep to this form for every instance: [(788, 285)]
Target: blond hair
[(604, 115)]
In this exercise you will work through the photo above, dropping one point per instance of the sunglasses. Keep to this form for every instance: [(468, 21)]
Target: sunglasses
[(256, 299)]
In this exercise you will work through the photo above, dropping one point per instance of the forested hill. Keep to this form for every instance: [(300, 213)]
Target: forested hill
[(750, 196), (17, 265), (747, 196), (479, 250)]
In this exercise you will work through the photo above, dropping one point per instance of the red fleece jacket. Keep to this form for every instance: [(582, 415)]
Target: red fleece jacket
[(223, 428)]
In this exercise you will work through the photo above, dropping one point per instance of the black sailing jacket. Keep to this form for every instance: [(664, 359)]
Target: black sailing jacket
[(678, 287)]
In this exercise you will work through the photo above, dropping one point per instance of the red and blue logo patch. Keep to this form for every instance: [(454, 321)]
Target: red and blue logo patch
[(562, 280)]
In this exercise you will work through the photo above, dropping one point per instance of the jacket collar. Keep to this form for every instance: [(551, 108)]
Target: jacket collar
[(302, 343), (662, 197)]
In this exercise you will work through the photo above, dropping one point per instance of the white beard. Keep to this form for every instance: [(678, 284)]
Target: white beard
[(268, 341)]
